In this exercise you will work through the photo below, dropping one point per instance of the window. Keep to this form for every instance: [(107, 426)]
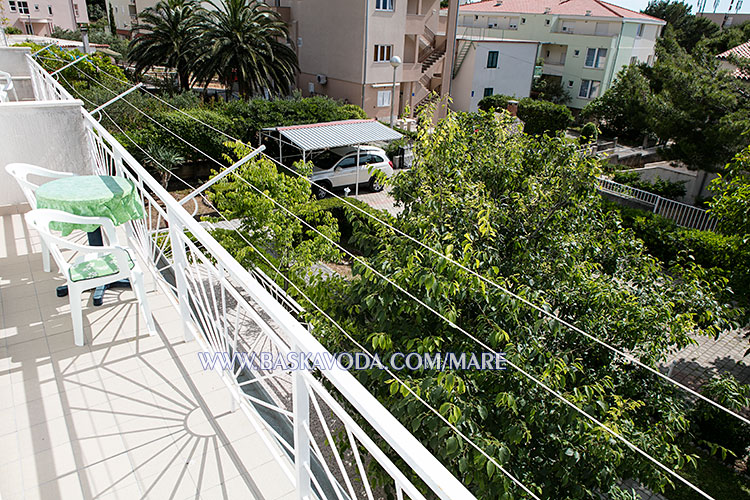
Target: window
[(12, 6), (347, 162), (383, 53), (488, 91), (639, 33), (595, 58), (650, 60), (523, 20), (546, 22), (23, 8), (570, 83), (49, 9), (384, 98), (29, 28), (492, 56), (576, 53), (383, 4), (36, 7), (568, 26), (634, 60), (75, 9), (589, 89)]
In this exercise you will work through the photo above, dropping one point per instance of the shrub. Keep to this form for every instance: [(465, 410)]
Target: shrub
[(538, 116), (12, 30), (724, 255), (497, 102), (717, 427), (667, 189), (543, 116), (589, 132)]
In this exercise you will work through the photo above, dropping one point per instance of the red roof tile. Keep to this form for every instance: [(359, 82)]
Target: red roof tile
[(742, 52), (598, 8)]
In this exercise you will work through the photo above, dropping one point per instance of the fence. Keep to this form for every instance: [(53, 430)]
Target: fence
[(46, 88), (683, 215), (324, 449)]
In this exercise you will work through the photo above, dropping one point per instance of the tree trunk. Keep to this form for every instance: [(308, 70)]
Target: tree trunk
[(184, 77)]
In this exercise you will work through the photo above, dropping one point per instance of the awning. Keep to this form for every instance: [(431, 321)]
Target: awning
[(318, 136)]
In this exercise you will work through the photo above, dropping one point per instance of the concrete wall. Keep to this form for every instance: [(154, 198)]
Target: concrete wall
[(696, 181), (50, 134), (513, 75), (13, 61)]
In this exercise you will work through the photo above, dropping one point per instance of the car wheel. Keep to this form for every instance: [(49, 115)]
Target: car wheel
[(321, 190), (375, 185)]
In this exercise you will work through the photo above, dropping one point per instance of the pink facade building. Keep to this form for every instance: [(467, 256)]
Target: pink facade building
[(39, 17)]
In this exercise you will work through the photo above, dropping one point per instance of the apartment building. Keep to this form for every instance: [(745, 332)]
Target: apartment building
[(486, 67), (583, 43), (344, 49), (39, 17)]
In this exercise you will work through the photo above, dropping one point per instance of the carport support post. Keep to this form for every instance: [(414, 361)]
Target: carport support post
[(356, 188)]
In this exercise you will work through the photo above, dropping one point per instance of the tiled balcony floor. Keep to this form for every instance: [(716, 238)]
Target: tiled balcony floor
[(126, 416)]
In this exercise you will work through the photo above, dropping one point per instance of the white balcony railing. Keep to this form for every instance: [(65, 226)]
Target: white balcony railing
[(214, 294), (683, 215), (46, 88)]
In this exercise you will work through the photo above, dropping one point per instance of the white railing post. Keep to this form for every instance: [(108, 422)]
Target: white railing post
[(179, 258), (301, 404)]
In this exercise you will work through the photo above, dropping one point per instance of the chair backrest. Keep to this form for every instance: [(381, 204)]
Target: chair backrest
[(22, 171), (6, 86)]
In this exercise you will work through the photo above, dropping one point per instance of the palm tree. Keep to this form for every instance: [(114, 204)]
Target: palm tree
[(244, 42), (171, 38)]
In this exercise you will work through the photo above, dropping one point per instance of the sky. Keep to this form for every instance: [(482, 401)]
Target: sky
[(639, 5)]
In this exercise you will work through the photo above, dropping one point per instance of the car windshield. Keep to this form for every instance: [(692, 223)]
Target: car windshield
[(326, 160)]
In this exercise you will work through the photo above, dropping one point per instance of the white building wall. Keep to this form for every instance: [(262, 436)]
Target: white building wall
[(513, 75)]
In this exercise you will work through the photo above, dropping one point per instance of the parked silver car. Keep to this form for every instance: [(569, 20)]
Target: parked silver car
[(338, 168)]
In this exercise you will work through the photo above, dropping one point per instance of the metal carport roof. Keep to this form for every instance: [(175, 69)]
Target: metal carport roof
[(317, 136)]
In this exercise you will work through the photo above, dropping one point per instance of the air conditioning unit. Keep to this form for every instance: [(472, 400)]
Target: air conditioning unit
[(321, 79)]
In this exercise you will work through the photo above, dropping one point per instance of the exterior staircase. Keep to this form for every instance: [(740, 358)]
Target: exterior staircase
[(462, 52), (434, 57)]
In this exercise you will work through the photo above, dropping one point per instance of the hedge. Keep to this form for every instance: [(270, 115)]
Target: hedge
[(538, 116), (727, 255)]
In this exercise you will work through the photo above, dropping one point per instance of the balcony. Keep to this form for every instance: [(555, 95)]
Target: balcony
[(136, 416)]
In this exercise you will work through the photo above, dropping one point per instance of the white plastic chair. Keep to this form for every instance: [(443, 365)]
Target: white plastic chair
[(95, 266), (6, 86), (21, 172)]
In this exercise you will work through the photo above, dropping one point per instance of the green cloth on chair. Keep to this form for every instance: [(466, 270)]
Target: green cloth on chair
[(93, 196), (96, 268)]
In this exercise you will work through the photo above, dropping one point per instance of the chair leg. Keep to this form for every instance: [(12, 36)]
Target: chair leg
[(74, 295), (45, 257), (140, 293)]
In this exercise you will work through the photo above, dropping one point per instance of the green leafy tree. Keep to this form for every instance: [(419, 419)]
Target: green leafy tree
[(698, 107), (523, 211), (689, 29), (169, 35), (112, 23), (164, 161), (624, 110), (283, 239), (551, 90), (244, 42), (731, 201)]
